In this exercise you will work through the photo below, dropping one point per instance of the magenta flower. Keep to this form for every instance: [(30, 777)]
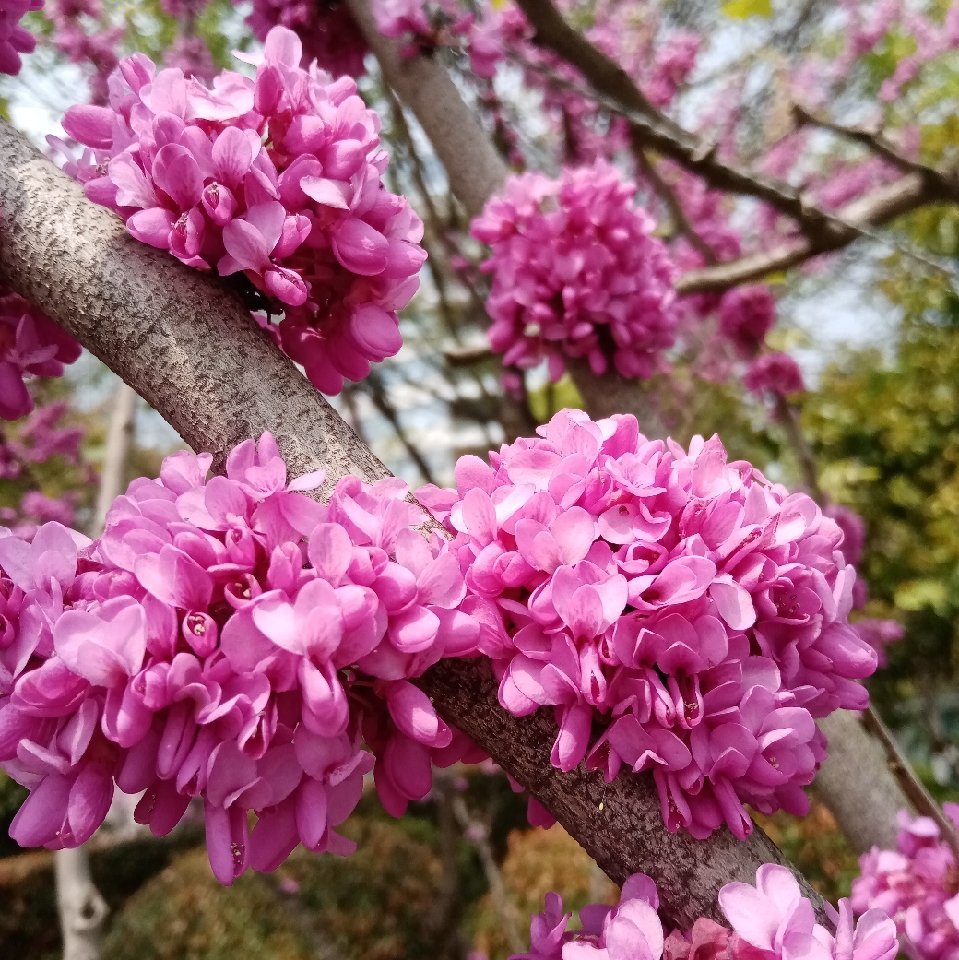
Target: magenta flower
[(679, 613), (915, 884), (746, 315), (775, 374), (770, 921), (329, 33), (31, 344), (15, 39), (279, 178), (232, 640), (576, 273)]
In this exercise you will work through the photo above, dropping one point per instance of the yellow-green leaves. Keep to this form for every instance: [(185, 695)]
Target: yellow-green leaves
[(744, 9)]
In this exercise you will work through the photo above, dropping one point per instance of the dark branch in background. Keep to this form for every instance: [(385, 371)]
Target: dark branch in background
[(376, 391), (665, 192), (939, 181), (652, 127), (912, 786), (856, 219), (189, 348)]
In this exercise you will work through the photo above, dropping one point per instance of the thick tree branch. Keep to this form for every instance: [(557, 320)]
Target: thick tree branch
[(189, 348), (473, 166)]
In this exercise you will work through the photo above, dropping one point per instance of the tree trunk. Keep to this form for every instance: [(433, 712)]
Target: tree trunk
[(82, 910), (856, 785)]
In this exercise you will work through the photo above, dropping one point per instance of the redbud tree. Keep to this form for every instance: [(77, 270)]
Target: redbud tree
[(651, 637)]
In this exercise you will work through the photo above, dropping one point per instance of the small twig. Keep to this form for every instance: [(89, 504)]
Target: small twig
[(665, 192), (911, 785), (494, 876), (874, 141), (468, 356), (787, 415)]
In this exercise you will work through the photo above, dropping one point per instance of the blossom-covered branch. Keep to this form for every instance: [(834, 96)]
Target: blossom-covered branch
[(189, 349)]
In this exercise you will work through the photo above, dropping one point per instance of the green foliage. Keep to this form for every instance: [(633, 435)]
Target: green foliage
[(887, 430), (815, 845), (744, 9), (386, 902), (29, 927)]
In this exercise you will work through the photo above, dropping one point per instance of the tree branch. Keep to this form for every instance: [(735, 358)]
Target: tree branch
[(654, 128), (189, 348), (875, 142), (853, 221), (473, 167)]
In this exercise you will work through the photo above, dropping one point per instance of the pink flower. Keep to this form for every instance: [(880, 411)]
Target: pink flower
[(232, 640), (746, 315), (15, 39), (915, 884), (279, 179), (770, 921), (576, 273), (776, 374), (31, 344), (679, 613)]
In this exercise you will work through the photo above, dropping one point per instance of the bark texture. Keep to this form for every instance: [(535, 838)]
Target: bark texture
[(856, 784), (473, 167), (190, 350), (176, 335)]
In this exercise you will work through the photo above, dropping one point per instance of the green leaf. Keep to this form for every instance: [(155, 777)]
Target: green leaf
[(743, 9)]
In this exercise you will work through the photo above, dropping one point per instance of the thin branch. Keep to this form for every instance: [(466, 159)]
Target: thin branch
[(854, 220), (665, 192), (479, 838), (188, 347), (615, 88), (874, 141), (377, 394), (911, 785), (788, 416)]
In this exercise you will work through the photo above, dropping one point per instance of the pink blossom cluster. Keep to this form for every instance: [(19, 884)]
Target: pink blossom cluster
[(774, 374), (327, 29), (31, 345), (770, 920), (82, 34), (14, 38), (233, 640), (576, 273), (918, 885), (680, 613), (278, 178), (35, 440)]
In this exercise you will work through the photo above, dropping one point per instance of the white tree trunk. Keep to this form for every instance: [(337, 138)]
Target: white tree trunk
[(82, 909)]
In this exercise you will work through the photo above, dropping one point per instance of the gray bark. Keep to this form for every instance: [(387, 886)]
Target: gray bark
[(855, 783), (82, 910), (473, 167), (189, 348)]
